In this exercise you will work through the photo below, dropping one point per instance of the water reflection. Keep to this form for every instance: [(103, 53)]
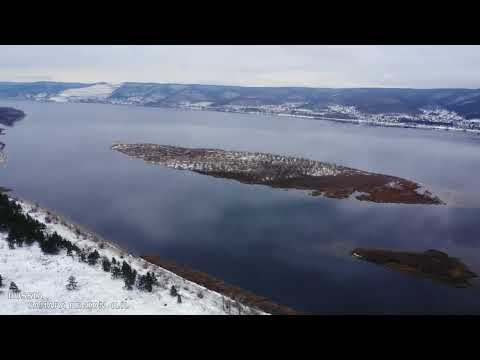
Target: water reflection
[(291, 248)]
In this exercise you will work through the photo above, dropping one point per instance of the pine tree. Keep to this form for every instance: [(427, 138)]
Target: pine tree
[(72, 283), (51, 245), (93, 257), (130, 279), (149, 282), (11, 240), (106, 265), (116, 272), (14, 288), (129, 275), (128, 283), (173, 291), (114, 261), (179, 298), (133, 277), (126, 269), (141, 282), (153, 278), (1, 281), (146, 282)]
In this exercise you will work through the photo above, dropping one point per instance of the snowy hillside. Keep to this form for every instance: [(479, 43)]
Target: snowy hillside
[(445, 109), (96, 92), (42, 280)]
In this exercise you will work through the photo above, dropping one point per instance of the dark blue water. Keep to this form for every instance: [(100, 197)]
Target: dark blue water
[(285, 245)]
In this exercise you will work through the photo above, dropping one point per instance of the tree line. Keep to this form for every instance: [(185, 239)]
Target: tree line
[(23, 230)]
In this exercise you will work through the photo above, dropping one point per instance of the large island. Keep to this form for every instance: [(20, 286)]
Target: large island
[(285, 172)]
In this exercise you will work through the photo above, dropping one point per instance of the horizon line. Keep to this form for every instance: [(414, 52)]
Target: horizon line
[(242, 86)]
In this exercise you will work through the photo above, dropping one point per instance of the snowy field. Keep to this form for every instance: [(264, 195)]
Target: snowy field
[(95, 92), (42, 280)]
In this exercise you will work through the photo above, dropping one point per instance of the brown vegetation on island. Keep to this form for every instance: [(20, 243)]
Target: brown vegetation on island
[(432, 264), (285, 172)]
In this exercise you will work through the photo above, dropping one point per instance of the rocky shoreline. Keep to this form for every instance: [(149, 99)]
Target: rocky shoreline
[(234, 292)]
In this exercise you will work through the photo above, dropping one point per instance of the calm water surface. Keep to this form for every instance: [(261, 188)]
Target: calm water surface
[(285, 245)]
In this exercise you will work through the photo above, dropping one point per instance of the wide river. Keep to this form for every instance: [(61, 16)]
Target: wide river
[(285, 245)]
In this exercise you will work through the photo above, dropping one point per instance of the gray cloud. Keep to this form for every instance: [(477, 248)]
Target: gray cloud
[(315, 66)]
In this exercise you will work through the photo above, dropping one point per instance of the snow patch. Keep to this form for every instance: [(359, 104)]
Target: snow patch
[(42, 280), (95, 92)]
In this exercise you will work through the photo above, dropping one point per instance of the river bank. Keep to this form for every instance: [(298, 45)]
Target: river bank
[(45, 275), (234, 292)]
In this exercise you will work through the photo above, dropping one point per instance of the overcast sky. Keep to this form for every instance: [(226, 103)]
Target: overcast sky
[(315, 66)]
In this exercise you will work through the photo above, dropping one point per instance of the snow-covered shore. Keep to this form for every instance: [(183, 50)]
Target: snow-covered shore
[(42, 279)]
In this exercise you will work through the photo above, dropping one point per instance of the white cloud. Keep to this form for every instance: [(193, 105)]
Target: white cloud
[(316, 66)]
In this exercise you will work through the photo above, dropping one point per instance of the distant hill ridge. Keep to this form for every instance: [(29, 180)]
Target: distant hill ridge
[(446, 108)]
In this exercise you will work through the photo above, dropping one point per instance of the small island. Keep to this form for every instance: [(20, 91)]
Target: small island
[(284, 172), (3, 159), (8, 116), (432, 264)]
